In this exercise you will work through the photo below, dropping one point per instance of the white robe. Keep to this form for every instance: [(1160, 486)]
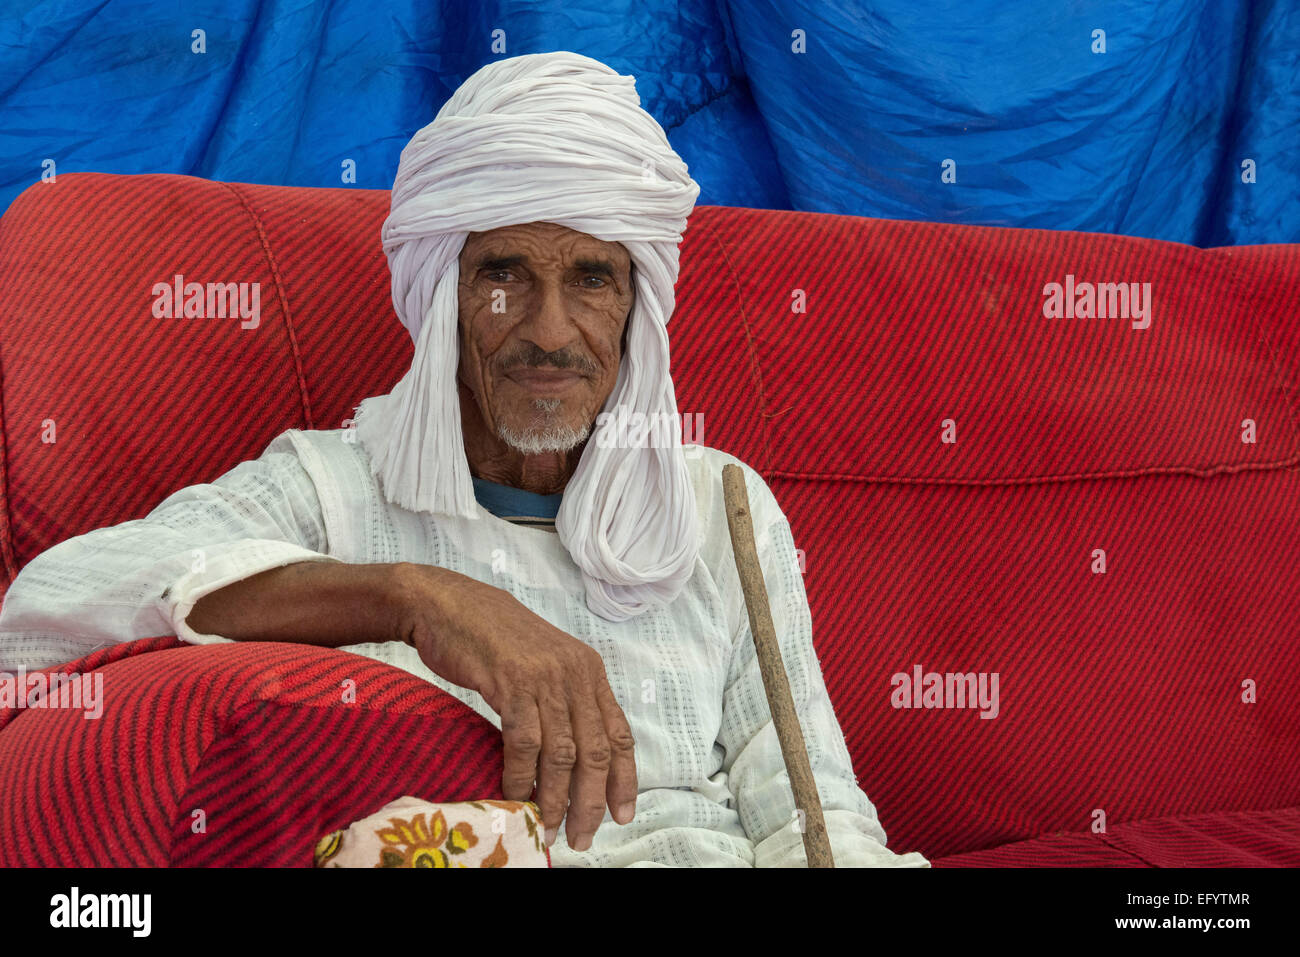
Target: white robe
[(713, 789)]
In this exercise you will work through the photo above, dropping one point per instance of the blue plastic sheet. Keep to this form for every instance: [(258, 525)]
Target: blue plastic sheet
[(979, 111)]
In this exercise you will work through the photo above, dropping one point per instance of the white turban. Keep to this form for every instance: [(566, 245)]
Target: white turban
[(558, 138)]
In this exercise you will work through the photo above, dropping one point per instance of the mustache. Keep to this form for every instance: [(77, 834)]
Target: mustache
[(535, 357)]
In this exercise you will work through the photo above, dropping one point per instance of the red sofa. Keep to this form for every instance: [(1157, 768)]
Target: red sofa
[(1148, 709)]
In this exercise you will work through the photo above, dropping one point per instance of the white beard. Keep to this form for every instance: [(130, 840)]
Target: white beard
[(536, 441)]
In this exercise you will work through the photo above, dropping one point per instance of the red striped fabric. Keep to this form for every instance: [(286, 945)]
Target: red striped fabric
[(229, 755), (829, 352), (1120, 692), (78, 263), (1239, 839)]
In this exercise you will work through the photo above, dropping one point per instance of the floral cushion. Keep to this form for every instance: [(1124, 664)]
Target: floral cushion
[(411, 832)]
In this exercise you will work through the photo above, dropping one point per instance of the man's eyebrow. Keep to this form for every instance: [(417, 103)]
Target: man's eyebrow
[(500, 262), (602, 267)]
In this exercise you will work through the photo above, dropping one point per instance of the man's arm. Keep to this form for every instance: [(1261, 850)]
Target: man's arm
[(327, 604), (754, 763), (243, 559), (140, 579)]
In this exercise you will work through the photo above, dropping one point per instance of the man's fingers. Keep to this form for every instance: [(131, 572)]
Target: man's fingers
[(587, 789), (521, 740), (621, 785), (555, 766)]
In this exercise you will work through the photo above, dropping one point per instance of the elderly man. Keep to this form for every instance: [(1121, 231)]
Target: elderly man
[(485, 527)]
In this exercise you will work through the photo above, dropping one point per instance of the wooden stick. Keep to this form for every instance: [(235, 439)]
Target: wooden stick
[(816, 844)]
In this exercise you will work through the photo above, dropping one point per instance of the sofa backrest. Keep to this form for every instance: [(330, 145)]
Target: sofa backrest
[(1104, 516)]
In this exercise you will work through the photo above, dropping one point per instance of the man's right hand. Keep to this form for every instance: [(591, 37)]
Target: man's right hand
[(560, 722)]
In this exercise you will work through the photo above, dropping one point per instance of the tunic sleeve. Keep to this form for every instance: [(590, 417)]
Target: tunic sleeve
[(140, 579), (753, 761)]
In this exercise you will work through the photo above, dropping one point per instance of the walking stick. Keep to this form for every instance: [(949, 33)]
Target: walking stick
[(815, 842)]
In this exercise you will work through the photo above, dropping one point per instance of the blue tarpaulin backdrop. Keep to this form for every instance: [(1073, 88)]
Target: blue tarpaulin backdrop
[(1141, 117)]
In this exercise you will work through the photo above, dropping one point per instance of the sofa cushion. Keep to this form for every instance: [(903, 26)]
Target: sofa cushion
[(1240, 839), (79, 261), (239, 754)]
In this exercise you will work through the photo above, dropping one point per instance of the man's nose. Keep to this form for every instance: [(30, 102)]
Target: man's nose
[(547, 323)]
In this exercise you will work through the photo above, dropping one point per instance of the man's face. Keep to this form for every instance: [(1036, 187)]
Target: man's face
[(542, 314)]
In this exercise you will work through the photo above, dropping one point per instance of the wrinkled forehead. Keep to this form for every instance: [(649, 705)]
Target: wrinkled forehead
[(527, 241)]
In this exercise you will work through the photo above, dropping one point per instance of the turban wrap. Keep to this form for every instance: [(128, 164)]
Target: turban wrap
[(559, 138)]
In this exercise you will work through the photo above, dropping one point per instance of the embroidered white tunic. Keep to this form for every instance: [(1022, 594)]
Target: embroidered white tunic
[(713, 789)]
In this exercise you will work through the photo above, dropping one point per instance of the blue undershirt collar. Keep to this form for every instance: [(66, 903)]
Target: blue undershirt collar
[(506, 501)]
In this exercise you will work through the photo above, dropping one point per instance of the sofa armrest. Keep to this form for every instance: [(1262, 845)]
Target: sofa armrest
[(156, 752)]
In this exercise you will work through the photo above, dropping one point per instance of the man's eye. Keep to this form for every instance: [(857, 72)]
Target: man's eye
[(597, 278), (499, 275)]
